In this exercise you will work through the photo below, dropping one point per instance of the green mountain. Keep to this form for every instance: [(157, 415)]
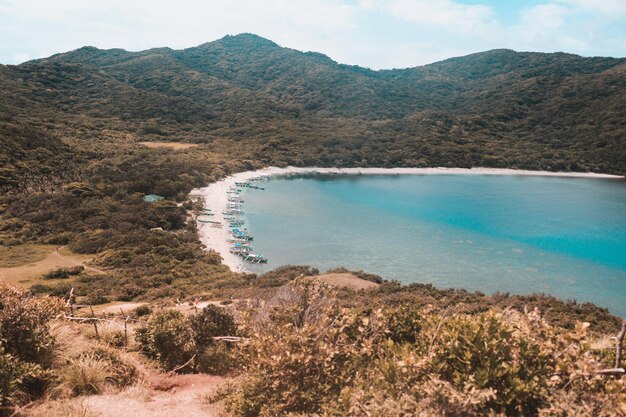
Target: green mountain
[(499, 108)]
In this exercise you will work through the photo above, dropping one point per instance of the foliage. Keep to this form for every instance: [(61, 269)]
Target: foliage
[(18, 380), (283, 274), (186, 343), (24, 324), (210, 322), (26, 346), (86, 374), (64, 272), (310, 355), (167, 338)]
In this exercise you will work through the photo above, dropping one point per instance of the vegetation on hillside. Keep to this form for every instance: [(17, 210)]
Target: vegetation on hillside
[(304, 349), (73, 173)]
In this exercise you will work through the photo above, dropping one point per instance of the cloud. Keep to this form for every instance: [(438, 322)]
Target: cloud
[(373, 33), (450, 15), (546, 25), (20, 57), (614, 8)]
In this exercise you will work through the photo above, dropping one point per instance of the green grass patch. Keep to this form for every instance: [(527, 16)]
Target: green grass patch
[(12, 256)]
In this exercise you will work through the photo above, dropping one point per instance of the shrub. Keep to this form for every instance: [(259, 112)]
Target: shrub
[(493, 355), (85, 374), (308, 356), (24, 324), (18, 380), (64, 272), (122, 372), (211, 321), (167, 338), (175, 340), (284, 274), (143, 310)]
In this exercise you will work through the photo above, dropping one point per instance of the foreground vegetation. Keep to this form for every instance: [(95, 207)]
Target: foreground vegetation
[(302, 349), (73, 173)]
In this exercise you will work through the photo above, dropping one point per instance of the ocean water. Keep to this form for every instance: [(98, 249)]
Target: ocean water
[(555, 235)]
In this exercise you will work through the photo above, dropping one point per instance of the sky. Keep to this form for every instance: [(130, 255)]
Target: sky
[(371, 33)]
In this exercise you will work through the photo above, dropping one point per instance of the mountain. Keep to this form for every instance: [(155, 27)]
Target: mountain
[(498, 108)]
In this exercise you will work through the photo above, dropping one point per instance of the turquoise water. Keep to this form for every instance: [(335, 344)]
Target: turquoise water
[(561, 236)]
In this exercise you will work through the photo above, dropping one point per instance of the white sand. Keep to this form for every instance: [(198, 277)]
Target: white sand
[(216, 197)]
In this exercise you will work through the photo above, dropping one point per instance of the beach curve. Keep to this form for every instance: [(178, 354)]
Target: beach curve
[(215, 195)]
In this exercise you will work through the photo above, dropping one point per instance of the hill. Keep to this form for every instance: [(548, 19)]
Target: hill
[(74, 168), (277, 105)]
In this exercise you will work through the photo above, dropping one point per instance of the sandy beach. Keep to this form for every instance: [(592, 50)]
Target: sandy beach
[(216, 197)]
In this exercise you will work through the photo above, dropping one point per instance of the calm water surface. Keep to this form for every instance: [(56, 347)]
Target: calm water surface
[(562, 236)]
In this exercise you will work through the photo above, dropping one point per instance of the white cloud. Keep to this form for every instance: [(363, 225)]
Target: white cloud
[(448, 15), (20, 57), (374, 33), (615, 8), (452, 16), (544, 17)]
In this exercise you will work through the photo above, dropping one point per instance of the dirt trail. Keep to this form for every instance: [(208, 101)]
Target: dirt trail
[(347, 280), (171, 145), (54, 260), (175, 396)]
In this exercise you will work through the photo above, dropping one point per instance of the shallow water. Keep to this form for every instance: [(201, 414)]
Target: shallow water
[(562, 236)]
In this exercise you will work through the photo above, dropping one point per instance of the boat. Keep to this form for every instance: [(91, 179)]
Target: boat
[(243, 236), (253, 258)]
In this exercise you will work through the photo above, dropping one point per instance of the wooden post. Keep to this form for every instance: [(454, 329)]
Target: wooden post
[(125, 327), (70, 302), (95, 322), (618, 345)]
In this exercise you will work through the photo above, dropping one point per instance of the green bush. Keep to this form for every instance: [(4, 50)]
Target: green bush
[(167, 338), (175, 340), (211, 321), (496, 356), (26, 346), (18, 381), (24, 324), (64, 272), (142, 311)]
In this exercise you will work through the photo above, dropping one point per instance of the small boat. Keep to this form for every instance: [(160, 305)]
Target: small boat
[(255, 259), (243, 237), (201, 220)]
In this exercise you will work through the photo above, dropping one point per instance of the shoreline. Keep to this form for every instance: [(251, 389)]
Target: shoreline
[(216, 198)]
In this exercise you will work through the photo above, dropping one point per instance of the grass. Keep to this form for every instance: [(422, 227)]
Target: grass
[(25, 265), (86, 375), (14, 256), (61, 408)]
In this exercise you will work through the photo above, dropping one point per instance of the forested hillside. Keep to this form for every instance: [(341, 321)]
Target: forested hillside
[(74, 168), (251, 97)]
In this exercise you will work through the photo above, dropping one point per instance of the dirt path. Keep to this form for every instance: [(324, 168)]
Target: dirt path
[(170, 145), (176, 396), (25, 274), (347, 280)]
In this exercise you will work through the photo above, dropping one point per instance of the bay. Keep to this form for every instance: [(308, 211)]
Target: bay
[(561, 236)]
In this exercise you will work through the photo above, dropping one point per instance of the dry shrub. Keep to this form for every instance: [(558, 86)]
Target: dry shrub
[(24, 324), (175, 340), (26, 346), (92, 370), (307, 355), (85, 374), (110, 333)]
